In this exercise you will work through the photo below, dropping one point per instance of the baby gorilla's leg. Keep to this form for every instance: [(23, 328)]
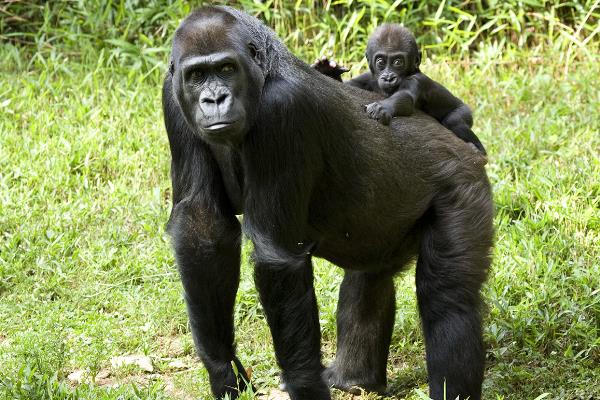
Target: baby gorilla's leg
[(460, 121)]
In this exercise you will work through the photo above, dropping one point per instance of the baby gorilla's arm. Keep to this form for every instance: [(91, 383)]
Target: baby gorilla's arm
[(400, 103), (333, 70)]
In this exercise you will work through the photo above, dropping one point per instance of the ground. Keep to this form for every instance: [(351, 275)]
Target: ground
[(87, 274)]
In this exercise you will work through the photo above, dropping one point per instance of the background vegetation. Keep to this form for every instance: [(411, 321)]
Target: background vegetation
[(86, 272)]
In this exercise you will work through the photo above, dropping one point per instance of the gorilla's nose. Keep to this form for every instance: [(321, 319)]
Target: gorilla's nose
[(216, 102), (390, 78), (217, 98)]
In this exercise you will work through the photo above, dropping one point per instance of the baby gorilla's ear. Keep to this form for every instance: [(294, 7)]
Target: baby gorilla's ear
[(369, 63), (418, 59), (171, 66)]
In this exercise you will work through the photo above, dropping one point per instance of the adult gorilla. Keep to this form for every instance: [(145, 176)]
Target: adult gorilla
[(253, 129)]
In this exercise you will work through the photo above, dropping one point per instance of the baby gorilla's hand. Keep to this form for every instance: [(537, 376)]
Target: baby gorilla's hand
[(329, 68), (380, 111)]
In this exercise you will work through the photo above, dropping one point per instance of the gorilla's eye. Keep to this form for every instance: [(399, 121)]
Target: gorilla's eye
[(227, 68), (195, 75), (398, 62), (379, 63)]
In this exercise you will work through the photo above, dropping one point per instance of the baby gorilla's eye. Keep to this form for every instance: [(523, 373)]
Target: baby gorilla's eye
[(398, 62), (227, 68), (379, 63)]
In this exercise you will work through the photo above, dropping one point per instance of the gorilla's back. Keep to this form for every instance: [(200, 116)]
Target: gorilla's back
[(380, 181)]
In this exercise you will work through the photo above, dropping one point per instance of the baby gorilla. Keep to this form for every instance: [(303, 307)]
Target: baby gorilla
[(394, 60)]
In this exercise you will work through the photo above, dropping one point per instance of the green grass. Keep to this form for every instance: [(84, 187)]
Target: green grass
[(87, 274), (135, 33)]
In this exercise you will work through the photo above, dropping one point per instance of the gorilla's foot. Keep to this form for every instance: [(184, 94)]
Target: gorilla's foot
[(352, 385), (224, 381)]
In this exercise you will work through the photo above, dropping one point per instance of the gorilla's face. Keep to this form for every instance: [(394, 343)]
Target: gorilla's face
[(390, 68), (217, 79), (393, 55)]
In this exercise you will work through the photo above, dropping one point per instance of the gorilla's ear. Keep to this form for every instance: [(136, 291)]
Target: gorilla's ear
[(418, 59), (255, 53), (171, 66), (368, 57)]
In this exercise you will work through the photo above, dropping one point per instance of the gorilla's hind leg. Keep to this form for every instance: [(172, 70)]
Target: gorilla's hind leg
[(452, 266), (365, 319)]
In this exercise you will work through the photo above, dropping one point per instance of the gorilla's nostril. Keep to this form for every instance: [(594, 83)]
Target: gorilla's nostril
[(222, 98)]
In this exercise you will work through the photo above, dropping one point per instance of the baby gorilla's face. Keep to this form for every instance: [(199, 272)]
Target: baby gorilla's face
[(393, 55), (389, 69)]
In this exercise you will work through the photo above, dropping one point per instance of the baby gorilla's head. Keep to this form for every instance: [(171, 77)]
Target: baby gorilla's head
[(392, 54)]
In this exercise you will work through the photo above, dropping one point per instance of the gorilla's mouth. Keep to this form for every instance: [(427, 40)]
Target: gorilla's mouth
[(388, 87), (219, 126), (224, 132)]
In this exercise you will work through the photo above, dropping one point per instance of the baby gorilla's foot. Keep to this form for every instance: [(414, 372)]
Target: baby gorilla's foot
[(379, 112), (329, 68)]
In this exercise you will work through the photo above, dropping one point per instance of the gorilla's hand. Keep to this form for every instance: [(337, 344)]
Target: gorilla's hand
[(329, 68), (380, 111)]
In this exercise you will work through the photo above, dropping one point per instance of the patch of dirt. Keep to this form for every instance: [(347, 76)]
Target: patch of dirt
[(177, 365), (172, 390), (139, 360), (171, 346), (76, 377), (275, 394), (143, 380), (170, 359)]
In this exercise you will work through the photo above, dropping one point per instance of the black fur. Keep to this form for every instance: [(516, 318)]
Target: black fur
[(314, 176), (404, 85)]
